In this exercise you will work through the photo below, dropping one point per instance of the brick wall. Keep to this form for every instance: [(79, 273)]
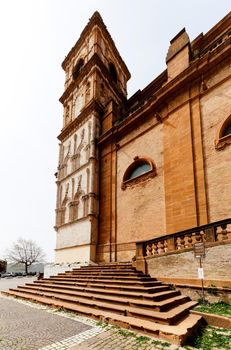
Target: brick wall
[(217, 264), (215, 108), (141, 208)]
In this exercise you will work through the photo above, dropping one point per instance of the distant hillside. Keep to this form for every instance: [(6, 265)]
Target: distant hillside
[(36, 267)]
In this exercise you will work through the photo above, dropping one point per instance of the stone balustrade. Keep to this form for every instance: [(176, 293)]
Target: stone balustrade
[(210, 233)]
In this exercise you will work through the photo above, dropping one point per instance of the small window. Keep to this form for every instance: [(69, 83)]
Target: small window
[(140, 170), (77, 68), (113, 72), (227, 130), (224, 134)]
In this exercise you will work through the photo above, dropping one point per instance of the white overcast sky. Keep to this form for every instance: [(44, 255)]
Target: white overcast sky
[(35, 36)]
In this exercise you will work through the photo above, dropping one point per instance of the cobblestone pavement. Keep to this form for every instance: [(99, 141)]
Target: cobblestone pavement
[(28, 328), (123, 340), (31, 326)]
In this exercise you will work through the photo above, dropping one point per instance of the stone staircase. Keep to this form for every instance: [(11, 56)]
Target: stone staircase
[(119, 294)]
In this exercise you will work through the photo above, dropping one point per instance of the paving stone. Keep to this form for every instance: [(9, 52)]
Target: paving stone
[(23, 327), (59, 330)]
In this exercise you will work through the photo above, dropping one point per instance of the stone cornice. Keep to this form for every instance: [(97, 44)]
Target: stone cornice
[(196, 69), (93, 106), (96, 19), (213, 34), (94, 61)]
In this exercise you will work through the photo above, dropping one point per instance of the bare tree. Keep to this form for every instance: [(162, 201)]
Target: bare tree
[(25, 252)]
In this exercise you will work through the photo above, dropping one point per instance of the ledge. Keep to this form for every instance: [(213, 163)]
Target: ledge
[(221, 285), (214, 320), (223, 142)]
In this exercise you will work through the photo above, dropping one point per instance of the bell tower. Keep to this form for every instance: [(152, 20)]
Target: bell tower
[(96, 78)]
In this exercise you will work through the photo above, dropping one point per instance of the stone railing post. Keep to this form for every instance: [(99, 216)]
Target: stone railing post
[(171, 244), (210, 234), (140, 262)]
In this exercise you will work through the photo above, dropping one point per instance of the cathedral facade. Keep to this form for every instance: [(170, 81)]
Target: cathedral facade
[(156, 163)]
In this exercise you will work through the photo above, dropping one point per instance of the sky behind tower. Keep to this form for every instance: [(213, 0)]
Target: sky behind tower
[(35, 37)]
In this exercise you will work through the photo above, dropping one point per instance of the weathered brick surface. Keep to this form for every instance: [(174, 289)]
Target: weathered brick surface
[(179, 171), (178, 63), (141, 209), (215, 108), (217, 264)]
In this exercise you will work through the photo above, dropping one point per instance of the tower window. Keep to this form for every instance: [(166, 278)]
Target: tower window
[(140, 170), (77, 68), (113, 72)]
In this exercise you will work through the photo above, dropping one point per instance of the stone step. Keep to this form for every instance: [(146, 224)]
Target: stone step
[(109, 265), (156, 296), (136, 282), (174, 333), (107, 279), (101, 270), (104, 286), (79, 272), (168, 317), (154, 305), (106, 268)]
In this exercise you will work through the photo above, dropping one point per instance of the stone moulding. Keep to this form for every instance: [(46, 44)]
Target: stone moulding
[(139, 179), (223, 142)]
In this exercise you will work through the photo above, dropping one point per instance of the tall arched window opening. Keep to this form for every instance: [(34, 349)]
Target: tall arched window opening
[(113, 72), (77, 68)]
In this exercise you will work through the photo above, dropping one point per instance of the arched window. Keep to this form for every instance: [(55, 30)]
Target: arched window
[(140, 170), (224, 134), (77, 68), (113, 72), (227, 130)]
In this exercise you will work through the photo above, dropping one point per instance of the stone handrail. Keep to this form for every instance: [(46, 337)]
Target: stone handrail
[(214, 232)]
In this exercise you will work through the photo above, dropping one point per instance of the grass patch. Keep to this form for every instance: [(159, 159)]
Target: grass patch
[(101, 324), (139, 340), (142, 339), (161, 343), (125, 333), (219, 308), (213, 338)]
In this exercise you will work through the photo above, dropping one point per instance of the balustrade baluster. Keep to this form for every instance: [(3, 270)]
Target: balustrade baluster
[(224, 232), (178, 243), (155, 248), (213, 232), (149, 249), (182, 242), (198, 236), (165, 245), (189, 241), (159, 247)]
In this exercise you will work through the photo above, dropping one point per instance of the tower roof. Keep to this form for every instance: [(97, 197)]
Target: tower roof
[(96, 19)]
